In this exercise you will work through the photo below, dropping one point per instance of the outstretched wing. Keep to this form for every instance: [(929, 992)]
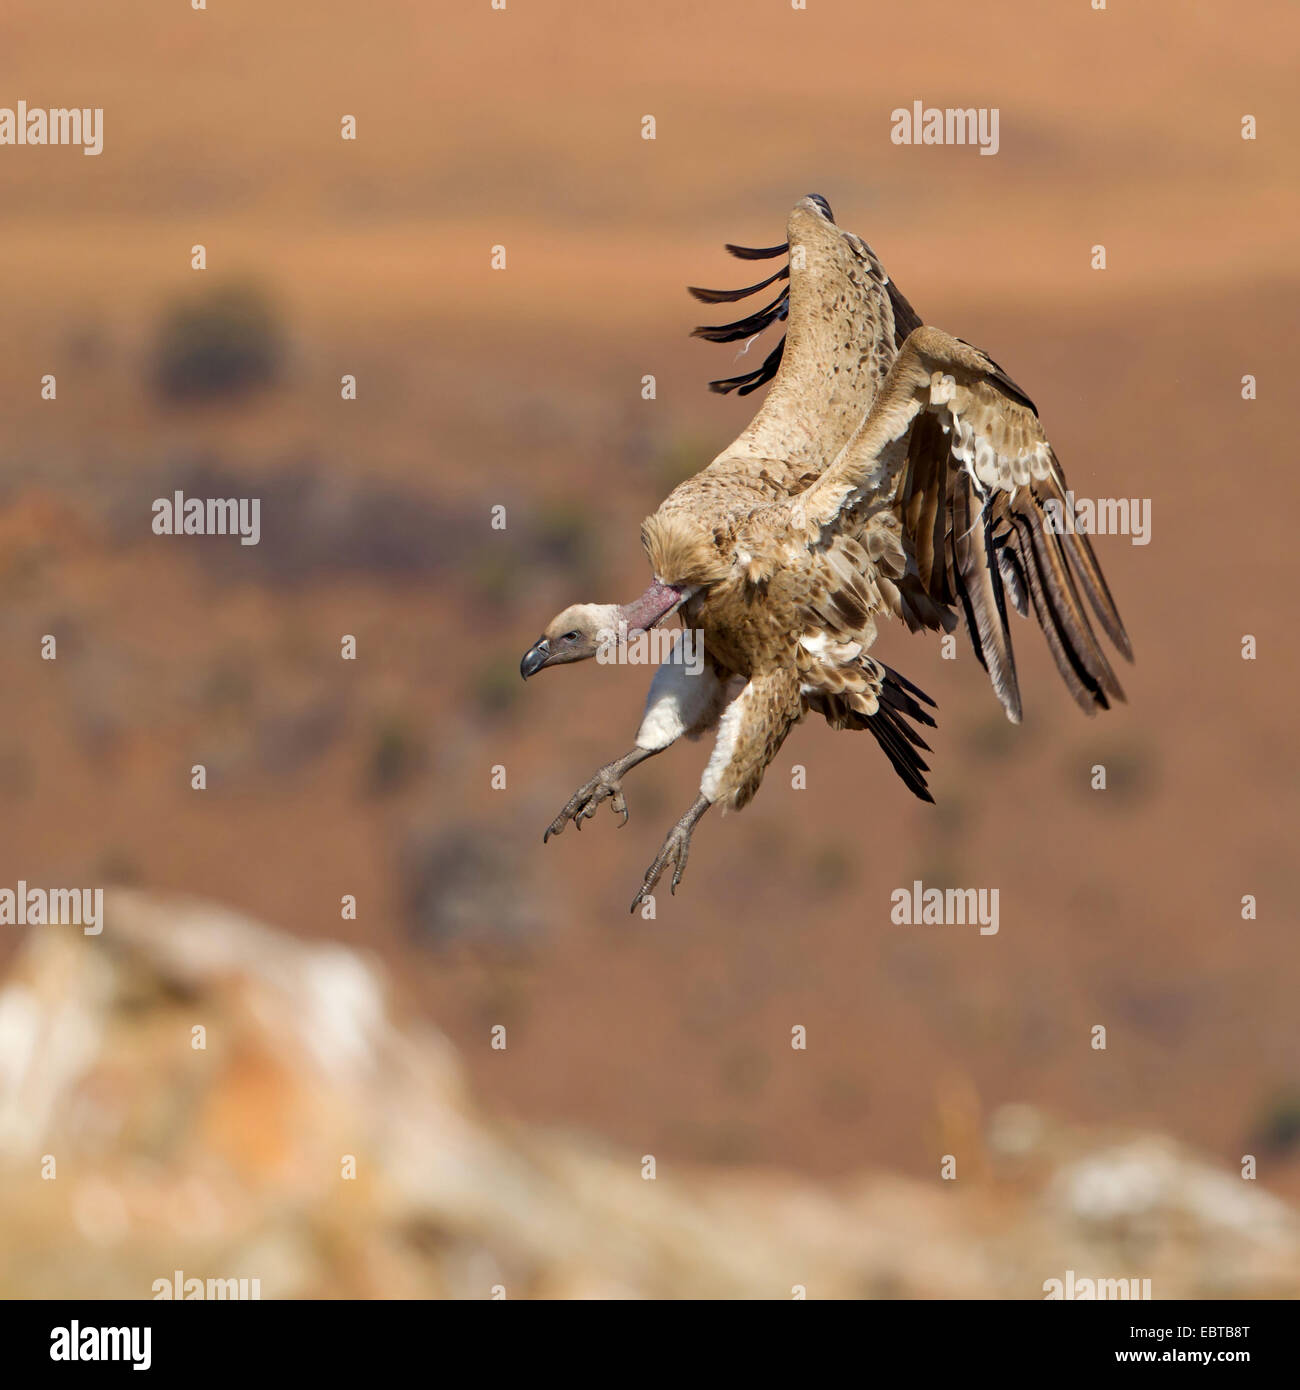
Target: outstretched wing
[(844, 320), (953, 463), (753, 325)]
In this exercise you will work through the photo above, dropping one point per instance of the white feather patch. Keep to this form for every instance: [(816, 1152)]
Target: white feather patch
[(676, 702), (723, 750), (942, 388)]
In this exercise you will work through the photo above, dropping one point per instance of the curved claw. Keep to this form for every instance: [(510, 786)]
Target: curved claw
[(585, 802), (675, 850)]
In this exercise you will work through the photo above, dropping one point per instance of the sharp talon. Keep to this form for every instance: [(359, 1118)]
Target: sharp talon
[(586, 801), (674, 853), (606, 785)]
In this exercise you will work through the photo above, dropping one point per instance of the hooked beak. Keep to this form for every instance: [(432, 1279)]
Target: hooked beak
[(535, 658)]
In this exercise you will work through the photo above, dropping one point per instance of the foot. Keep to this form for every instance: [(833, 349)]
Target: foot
[(583, 804), (675, 849)]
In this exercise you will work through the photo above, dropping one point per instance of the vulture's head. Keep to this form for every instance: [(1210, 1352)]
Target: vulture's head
[(574, 635)]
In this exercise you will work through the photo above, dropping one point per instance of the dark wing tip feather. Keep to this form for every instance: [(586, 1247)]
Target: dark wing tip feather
[(751, 381), (746, 327), (775, 312), (752, 324), (757, 253), (731, 296), (1070, 638), (1093, 583)]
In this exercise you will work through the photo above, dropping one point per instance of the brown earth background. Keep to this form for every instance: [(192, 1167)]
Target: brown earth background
[(522, 388)]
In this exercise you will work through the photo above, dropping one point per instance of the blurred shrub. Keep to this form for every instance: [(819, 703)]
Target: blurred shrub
[(497, 687), (227, 683), (396, 755), (993, 736), (1277, 1131), (118, 865), (831, 870), (568, 538), (461, 884), (221, 343), (497, 578)]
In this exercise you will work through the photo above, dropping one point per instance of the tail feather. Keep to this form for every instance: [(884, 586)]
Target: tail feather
[(889, 731), (898, 701)]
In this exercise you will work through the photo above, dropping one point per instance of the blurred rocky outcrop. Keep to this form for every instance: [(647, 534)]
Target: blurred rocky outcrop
[(228, 1161)]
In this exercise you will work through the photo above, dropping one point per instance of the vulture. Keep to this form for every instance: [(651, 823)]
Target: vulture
[(892, 471)]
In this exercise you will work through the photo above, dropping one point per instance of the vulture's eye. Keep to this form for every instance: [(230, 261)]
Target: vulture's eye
[(571, 636)]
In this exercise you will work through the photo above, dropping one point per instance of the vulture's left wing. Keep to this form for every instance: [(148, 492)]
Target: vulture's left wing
[(748, 328), (842, 330), (952, 461)]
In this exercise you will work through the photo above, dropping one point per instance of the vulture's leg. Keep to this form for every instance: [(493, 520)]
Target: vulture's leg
[(676, 847), (682, 700), (606, 785), (750, 734)]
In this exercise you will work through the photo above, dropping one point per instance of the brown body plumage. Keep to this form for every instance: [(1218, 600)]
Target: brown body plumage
[(892, 469)]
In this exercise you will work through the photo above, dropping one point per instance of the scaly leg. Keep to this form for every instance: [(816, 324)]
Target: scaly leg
[(682, 700), (606, 785), (676, 847)]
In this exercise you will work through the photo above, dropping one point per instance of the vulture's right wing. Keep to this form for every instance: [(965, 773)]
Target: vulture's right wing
[(953, 457)]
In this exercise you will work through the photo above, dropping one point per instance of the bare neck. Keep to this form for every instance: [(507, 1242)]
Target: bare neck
[(652, 607)]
